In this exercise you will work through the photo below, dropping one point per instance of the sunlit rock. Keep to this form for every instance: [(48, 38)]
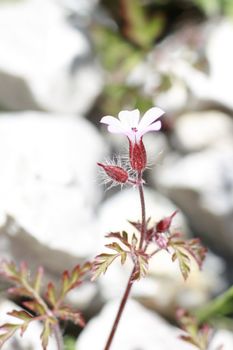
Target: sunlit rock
[(45, 63)]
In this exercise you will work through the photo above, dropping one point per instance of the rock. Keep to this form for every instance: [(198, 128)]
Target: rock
[(45, 64), (202, 186), (214, 87), (163, 289), (48, 188), (222, 337), (138, 329), (198, 130), (30, 339)]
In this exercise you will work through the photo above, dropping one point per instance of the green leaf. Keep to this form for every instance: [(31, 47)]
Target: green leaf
[(121, 236), (47, 331), (101, 264), (51, 294), (10, 330), (38, 279), (22, 315), (183, 250), (141, 261), (67, 314)]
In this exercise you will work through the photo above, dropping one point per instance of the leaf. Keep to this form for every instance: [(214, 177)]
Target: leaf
[(51, 294), (115, 246), (34, 306), (123, 237), (10, 330), (24, 316), (38, 279), (73, 279), (141, 261), (183, 250), (67, 314), (46, 332), (101, 264), (183, 261)]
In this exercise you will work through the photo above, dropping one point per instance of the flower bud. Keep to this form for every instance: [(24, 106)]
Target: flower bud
[(164, 224), (137, 155), (115, 172)]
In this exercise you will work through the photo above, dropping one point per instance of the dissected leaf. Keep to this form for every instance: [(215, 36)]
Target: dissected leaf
[(183, 250), (35, 307), (46, 332), (141, 261), (122, 236), (51, 294), (73, 279), (38, 279), (101, 264), (8, 331), (67, 314)]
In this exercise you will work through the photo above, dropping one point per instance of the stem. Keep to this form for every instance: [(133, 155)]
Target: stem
[(143, 209), (130, 281), (58, 337), (120, 311)]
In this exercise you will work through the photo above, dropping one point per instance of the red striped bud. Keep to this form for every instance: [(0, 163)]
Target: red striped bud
[(116, 173), (137, 155)]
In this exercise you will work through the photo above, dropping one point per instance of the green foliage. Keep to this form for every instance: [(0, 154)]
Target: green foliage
[(131, 249), (220, 307), (69, 343), (183, 250), (48, 309), (215, 7)]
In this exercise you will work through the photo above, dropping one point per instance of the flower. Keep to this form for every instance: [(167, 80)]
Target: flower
[(129, 125)]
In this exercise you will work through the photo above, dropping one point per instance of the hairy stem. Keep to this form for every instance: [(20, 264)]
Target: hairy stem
[(143, 210), (130, 281), (120, 310)]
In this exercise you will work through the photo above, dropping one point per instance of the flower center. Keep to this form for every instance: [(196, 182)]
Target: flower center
[(134, 129)]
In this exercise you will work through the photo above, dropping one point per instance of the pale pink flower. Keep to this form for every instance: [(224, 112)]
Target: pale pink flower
[(130, 125)]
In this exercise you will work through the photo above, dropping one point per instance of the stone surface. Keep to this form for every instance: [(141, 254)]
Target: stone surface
[(202, 185), (214, 86), (198, 130), (45, 64), (48, 188), (30, 339), (164, 287), (138, 329)]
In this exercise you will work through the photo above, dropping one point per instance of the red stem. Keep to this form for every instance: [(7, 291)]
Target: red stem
[(120, 310), (130, 281)]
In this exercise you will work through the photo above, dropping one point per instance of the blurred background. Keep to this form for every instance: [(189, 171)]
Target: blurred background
[(63, 65)]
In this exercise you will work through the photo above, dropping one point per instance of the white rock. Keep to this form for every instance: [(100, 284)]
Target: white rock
[(45, 64), (222, 338), (216, 85), (30, 339), (202, 185), (48, 186), (138, 329), (195, 131)]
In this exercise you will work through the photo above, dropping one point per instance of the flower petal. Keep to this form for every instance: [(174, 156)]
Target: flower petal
[(109, 120), (153, 127), (115, 126), (150, 116), (129, 118)]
